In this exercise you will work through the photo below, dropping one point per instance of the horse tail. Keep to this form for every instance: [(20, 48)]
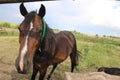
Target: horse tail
[(78, 54), (74, 57)]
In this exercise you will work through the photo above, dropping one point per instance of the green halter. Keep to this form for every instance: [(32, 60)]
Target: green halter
[(44, 29)]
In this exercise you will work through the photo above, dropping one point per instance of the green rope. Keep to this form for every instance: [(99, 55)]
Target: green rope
[(44, 29)]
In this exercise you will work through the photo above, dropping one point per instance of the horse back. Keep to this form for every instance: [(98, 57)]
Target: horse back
[(65, 38)]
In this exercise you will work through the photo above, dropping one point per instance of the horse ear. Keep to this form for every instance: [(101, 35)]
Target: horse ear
[(23, 10), (42, 11)]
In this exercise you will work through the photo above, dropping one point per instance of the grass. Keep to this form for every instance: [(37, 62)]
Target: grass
[(8, 29), (94, 54), (4, 24), (8, 49), (96, 51)]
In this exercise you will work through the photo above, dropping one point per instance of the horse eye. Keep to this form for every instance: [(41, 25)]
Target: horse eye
[(19, 29)]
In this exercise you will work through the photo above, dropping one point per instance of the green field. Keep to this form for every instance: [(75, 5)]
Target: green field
[(8, 29), (96, 51)]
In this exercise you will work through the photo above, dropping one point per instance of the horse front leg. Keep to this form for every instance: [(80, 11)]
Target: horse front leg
[(35, 71), (54, 67), (42, 73)]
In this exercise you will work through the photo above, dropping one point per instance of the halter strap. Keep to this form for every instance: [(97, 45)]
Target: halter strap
[(44, 29)]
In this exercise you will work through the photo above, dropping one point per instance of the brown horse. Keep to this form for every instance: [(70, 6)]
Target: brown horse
[(39, 43)]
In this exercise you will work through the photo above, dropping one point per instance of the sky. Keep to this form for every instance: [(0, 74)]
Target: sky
[(93, 17)]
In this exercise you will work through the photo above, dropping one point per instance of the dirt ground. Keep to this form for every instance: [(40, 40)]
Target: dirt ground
[(8, 72), (90, 76)]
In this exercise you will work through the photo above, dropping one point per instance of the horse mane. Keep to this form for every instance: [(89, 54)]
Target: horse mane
[(49, 40), (30, 17), (49, 32)]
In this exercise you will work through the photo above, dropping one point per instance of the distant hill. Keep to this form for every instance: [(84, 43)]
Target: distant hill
[(8, 29), (4, 24)]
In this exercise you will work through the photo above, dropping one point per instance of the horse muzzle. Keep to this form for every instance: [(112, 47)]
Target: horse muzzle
[(22, 67), (22, 72)]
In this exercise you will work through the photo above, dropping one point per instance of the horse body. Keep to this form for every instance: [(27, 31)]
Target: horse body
[(39, 42), (65, 43), (58, 46), (64, 46)]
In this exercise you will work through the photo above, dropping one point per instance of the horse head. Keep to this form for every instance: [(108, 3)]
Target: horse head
[(31, 30)]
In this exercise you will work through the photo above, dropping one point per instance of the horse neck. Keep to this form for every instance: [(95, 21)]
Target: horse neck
[(49, 32), (49, 40)]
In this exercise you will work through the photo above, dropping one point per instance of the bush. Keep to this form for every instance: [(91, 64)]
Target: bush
[(6, 25)]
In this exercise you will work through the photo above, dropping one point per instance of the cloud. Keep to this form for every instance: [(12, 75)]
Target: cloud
[(79, 12), (94, 12), (105, 13), (74, 14)]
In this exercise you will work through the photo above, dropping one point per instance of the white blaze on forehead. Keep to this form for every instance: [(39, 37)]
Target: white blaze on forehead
[(31, 26), (24, 49)]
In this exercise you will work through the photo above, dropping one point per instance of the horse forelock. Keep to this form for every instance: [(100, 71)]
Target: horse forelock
[(30, 17)]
